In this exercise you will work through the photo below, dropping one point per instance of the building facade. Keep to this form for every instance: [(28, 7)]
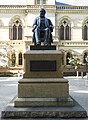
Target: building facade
[(16, 19)]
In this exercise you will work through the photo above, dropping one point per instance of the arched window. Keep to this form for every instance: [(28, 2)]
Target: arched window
[(13, 59), (19, 32), (65, 30), (85, 55), (69, 55), (38, 2), (20, 58), (44, 1), (85, 30), (16, 30), (61, 32)]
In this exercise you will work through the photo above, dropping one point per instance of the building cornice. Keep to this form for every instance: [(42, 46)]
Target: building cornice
[(9, 11), (4, 9), (13, 6), (36, 8), (25, 8), (72, 9), (72, 12)]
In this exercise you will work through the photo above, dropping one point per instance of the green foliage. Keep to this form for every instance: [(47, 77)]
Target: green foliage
[(75, 61), (86, 59)]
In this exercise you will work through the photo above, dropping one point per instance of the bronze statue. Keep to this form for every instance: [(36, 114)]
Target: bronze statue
[(42, 30)]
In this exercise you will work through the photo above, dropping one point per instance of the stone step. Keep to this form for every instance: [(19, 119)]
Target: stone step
[(43, 102), (77, 111)]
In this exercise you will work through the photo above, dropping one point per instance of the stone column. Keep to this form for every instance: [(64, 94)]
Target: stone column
[(41, 2), (65, 58)]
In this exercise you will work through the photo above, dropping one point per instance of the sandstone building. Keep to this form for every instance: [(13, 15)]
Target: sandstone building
[(16, 19)]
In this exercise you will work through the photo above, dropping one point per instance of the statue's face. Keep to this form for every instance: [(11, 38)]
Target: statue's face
[(42, 13)]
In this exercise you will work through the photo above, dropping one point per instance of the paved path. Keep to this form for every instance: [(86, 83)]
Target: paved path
[(78, 90), (8, 89)]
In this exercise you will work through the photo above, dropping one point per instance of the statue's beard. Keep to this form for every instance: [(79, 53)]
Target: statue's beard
[(42, 16)]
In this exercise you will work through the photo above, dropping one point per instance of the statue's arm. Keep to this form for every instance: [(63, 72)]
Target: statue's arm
[(51, 26), (34, 25)]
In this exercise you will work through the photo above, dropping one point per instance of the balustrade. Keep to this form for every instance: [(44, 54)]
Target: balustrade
[(72, 7)]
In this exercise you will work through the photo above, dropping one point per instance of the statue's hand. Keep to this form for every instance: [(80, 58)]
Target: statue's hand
[(51, 28), (33, 30), (34, 27)]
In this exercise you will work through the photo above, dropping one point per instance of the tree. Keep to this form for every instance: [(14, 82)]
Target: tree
[(5, 58), (75, 61), (86, 59), (86, 63)]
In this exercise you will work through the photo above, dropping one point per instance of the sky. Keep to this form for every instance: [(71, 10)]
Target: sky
[(22, 2), (12, 2), (74, 2)]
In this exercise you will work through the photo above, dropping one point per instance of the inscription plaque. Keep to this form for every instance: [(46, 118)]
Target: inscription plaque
[(42, 65), (42, 47)]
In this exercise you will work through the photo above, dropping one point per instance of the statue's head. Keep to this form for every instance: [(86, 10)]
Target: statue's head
[(42, 12)]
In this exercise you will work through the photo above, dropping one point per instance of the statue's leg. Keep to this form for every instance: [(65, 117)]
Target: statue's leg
[(47, 35), (37, 36)]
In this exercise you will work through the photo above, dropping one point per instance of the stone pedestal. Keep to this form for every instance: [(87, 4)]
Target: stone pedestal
[(43, 83), (43, 88), (42, 64), (43, 92)]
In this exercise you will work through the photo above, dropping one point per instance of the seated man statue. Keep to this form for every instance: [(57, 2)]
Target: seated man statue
[(42, 29)]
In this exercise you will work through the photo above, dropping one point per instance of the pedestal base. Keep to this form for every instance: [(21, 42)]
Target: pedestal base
[(43, 92), (43, 88), (43, 112), (43, 102)]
